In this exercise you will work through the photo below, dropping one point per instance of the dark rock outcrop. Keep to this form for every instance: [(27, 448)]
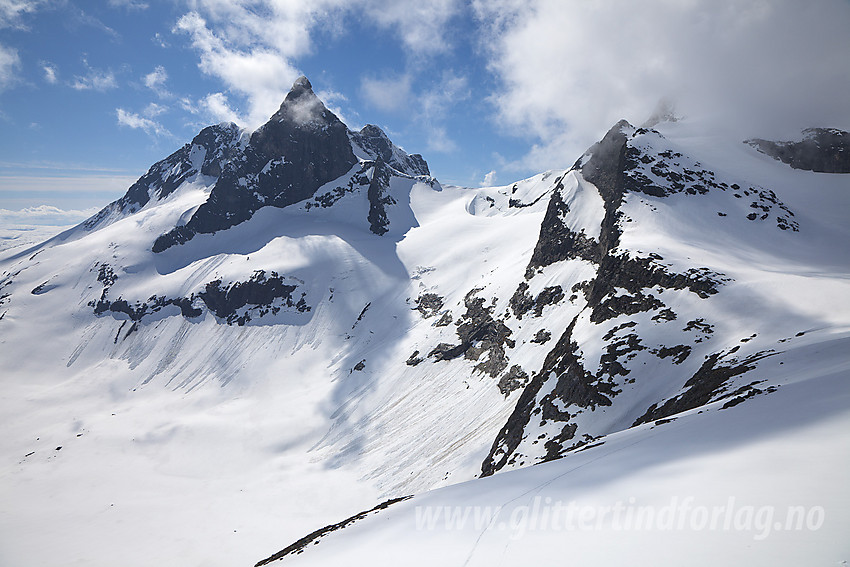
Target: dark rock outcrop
[(705, 385), (375, 142), (825, 150), (379, 199), (234, 303), (513, 379), (481, 335), (300, 149), (429, 304)]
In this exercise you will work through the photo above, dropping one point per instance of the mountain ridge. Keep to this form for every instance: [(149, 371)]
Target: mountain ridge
[(381, 335)]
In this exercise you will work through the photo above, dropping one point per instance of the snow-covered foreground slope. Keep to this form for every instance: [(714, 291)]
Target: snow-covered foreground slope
[(760, 484), (258, 341)]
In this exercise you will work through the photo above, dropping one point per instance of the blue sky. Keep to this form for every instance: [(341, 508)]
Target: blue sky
[(93, 93)]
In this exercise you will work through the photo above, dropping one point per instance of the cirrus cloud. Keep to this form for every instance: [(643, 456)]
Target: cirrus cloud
[(10, 62)]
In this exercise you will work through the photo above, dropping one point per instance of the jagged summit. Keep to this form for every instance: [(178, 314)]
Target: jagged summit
[(301, 86), (301, 107)]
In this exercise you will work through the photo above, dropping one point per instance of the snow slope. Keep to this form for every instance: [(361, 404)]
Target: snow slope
[(758, 484), (299, 348)]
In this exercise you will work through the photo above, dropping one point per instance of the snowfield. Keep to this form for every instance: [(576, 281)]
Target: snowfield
[(675, 350)]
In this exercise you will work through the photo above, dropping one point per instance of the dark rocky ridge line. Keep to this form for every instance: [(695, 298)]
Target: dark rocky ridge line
[(379, 200), (509, 437), (667, 172), (622, 286), (314, 537), (220, 144), (706, 385), (375, 141)]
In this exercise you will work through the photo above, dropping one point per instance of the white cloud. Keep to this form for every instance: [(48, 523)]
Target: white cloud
[(140, 122), (217, 106), (428, 109), (153, 110), (9, 64), (252, 45), (260, 74), (438, 140), (31, 225), (435, 106), (420, 24), (155, 81), (570, 69), (49, 73), (445, 94), (388, 94), (489, 179), (73, 184), (82, 18), (12, 11), (159, 39), (94, 79), (333, 101), (12, 14)]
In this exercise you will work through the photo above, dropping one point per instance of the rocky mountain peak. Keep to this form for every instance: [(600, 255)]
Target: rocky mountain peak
[(300, 87), (302, 107)]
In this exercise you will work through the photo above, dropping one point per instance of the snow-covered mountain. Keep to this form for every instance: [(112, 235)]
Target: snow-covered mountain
[(275, 330)]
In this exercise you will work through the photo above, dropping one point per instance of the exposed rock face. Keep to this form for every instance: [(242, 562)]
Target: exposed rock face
[(826, 150), (481, 335), (704, 385), (373, 140), (429, 304), (379, 199), (303, 147)]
